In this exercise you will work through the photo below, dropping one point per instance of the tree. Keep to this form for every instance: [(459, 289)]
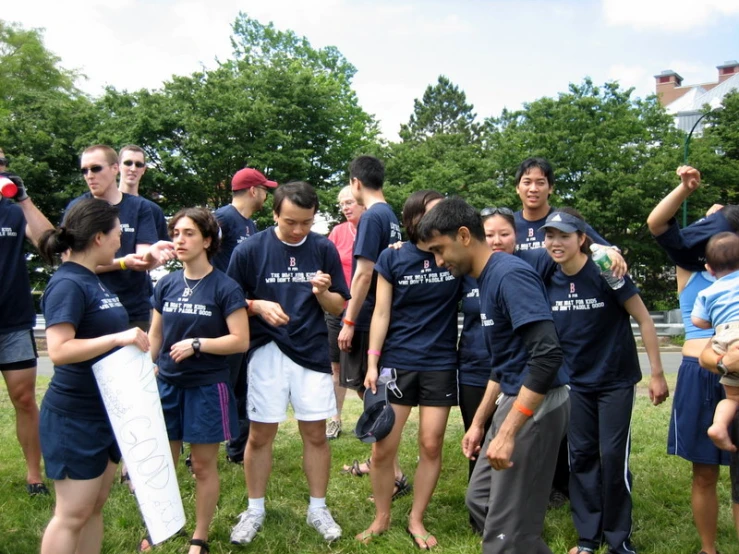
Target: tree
[(41, 115), (442, 111), (279, 105), (614, 158)]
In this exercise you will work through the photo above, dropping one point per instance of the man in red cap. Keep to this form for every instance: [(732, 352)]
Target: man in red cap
[(249, 188), (249, 193)]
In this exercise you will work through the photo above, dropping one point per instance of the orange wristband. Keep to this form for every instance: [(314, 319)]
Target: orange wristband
[(347, 322), (523, 409)]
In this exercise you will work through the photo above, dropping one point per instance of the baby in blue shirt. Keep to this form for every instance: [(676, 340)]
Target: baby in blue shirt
[(717, 306)]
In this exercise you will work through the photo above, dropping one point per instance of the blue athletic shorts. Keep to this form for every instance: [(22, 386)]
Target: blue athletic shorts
[(696, 395), (76, 448), (199, 415)]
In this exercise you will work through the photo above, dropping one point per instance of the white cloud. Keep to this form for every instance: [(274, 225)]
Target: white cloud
[(667, 15)]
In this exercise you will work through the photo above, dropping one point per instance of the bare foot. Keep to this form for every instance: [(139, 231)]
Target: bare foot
[(719, 434)]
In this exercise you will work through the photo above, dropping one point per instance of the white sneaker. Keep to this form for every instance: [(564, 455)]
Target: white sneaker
[(246, 529), (333, 429), (320, 519)]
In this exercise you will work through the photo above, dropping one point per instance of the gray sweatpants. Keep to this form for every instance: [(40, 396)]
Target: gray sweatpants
[(510, 505)]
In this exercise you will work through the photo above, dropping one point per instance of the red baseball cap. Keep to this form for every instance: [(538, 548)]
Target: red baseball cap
[(247, 178)]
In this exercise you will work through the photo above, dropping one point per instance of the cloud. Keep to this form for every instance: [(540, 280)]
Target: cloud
[(667, 15)]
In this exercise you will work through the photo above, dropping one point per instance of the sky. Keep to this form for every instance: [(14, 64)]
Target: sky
[(502, 54)]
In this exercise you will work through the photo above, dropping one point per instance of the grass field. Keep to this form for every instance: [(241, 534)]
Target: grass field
[(662, 518)]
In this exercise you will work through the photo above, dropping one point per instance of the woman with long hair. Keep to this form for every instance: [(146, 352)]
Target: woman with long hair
[(84, 323), (413, 334), (199, 319)]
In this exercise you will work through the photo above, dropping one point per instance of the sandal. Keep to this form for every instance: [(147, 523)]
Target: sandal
[(356, 469), (34, 489), (204, 548), (402, 487), (415, 537)]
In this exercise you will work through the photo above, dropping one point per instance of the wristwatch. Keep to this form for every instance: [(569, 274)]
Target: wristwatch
[(720, 367), (196, 347)]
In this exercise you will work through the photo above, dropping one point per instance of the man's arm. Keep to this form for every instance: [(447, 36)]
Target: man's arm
[(36, 222), (545, 358), (659, 219), (709, 359), (472, 440), (361, 281)]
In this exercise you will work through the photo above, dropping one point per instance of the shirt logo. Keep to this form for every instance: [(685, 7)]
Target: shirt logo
[(292, 261), (572, 288), (425, 264), (531, 231)]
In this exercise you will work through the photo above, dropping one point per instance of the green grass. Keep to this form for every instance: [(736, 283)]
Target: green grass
[(662, 517)]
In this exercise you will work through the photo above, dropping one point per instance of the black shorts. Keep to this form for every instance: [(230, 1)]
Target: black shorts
[(354, 363), (426, 388), (333, 324)]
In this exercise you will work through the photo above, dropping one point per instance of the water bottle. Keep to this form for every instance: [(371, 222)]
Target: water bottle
[(600, 257)]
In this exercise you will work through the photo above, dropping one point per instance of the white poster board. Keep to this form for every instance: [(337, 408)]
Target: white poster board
[(129, 389)]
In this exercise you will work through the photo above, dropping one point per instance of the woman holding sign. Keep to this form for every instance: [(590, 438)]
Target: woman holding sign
[(84, 323), (199, 319)]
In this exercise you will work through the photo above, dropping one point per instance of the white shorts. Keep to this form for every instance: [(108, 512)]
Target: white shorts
[(275, 380)]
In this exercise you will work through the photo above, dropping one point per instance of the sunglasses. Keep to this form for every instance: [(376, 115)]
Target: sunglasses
[(486, 212), (129, 163), (92, 168), (3, 161)]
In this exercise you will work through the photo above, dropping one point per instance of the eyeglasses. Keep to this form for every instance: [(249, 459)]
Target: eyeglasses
[(129, 163), (92, 168), (346, 204), (486, 212)]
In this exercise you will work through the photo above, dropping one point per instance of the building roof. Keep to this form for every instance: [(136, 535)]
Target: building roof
[(689, 107), (696, 98)]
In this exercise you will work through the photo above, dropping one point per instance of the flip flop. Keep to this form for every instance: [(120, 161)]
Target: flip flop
[(415, 537), (355, 468), (367, 536)]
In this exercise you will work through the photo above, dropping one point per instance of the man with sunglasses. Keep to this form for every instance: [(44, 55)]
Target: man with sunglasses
[(132, 160), (126, 276), (20, 219)]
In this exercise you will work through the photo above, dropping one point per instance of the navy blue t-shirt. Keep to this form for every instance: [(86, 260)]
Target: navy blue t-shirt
[(687, 247), (160, 222), (475, 361), (594, 329), (76, 295), (16, 304), (235, 228), (378, 227), (511, 295), (269, 269), (137, 224), (530, 235), (202, 314), (422, 335)]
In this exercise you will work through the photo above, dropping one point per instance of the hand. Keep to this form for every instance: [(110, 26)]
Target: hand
[(713, 209), (162, 251), (658, 390), (370, 380), (690, 177), (136, 262), (21, 194), (618, 264), (134, 336), (181, 350), (156, 370), (396, 245), (271, 312), (346, 336), (321, 282), (472, 442), (500, 451)]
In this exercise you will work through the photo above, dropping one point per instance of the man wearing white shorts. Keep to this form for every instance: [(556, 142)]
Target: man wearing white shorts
[(290, 276)]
